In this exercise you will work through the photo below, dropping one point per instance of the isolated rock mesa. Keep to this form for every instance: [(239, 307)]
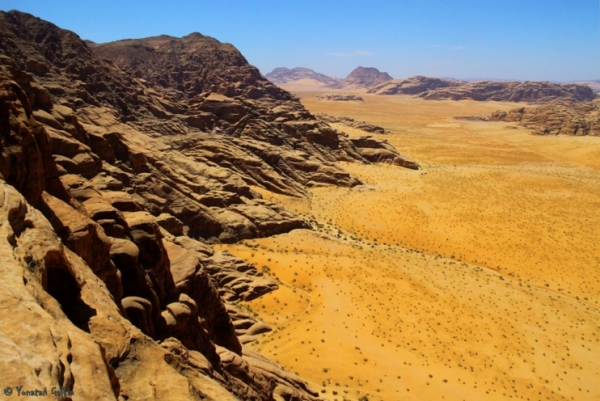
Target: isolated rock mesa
[(119, 164), (560, 118), (413, 86), (447, 89)]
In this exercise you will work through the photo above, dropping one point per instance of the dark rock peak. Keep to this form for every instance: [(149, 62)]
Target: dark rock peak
[(361, 71), (190, 65), (364, 77), (197, 35)]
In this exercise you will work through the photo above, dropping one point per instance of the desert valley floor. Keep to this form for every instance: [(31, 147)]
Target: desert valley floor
[(476, 277)]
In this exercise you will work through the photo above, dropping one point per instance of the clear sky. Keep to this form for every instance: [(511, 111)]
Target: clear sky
[(503, 39)]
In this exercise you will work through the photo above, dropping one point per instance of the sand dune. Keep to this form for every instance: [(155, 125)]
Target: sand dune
[(475, 278)]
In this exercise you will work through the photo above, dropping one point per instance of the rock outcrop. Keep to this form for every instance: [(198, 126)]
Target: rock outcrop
[(594, 84), (120, 163), (337, 97), (446, 89), (284, 75), (561, 118), (363, 78), (350, 122), (380, 151)]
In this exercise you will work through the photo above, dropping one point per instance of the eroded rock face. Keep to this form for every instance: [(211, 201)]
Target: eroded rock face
[(59, 304), (115, 176), (379, 150)]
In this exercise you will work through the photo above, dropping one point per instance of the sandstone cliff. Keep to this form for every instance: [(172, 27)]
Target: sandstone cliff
[(561, 118), (119, 164), (445, 89)]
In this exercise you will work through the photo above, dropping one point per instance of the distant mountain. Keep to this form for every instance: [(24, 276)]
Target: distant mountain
[(284, 75), (363, 77), (446, 89)]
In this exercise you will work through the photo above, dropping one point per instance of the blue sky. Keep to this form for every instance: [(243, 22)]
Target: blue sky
[(526, 39)]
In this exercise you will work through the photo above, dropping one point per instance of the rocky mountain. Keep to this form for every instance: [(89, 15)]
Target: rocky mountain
[(120, 163), (284, 75), (559, 118), (363, 77), (444, 89), (413, 86)]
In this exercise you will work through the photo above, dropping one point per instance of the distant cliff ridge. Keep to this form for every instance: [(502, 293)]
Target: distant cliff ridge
[(447, 89)]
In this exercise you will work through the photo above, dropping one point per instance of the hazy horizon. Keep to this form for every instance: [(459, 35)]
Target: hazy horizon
[(506, 40), (468, 79)]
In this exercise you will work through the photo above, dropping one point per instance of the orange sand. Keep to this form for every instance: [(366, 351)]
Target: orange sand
[(475, 278)]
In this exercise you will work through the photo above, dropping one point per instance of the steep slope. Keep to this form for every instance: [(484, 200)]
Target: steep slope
[(114, 178), (283, 75), (363, 77)]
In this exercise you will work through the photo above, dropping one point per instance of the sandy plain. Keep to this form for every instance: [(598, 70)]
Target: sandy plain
[(474, 278)]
